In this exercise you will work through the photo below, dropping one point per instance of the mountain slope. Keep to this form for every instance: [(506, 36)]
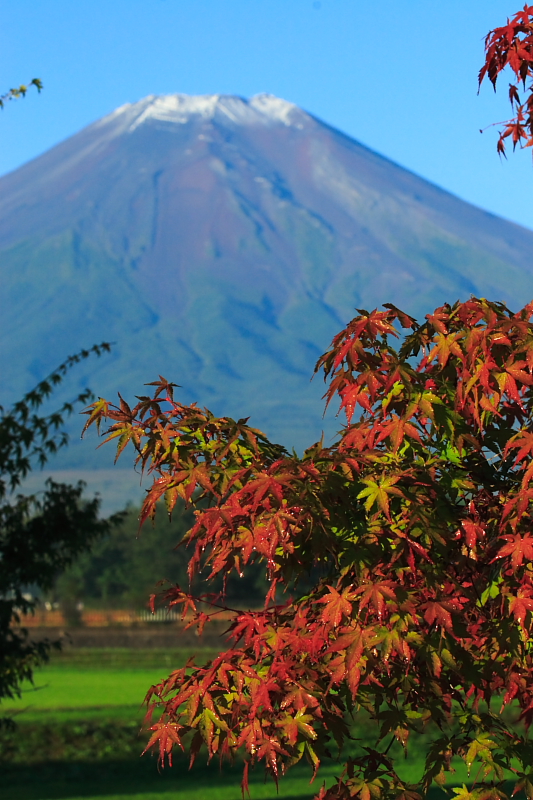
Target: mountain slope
[(222, 242)]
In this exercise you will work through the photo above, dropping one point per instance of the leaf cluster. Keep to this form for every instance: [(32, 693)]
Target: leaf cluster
[(512, 46), (20, 91), (416, 522), (28, 437)]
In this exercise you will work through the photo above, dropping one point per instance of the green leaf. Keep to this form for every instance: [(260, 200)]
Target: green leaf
[(492, 591)]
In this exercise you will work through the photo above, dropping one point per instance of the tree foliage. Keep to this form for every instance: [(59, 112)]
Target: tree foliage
[(512, 46), (39, 534), (417, 524), (20, 91)]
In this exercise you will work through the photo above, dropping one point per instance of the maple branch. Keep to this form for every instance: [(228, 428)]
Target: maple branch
[(399, 620)]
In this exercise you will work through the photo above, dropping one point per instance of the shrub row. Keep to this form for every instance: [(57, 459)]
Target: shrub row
[(71, 741)]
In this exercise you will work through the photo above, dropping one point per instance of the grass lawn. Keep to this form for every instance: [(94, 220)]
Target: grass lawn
[(95, 683), (90, 702), (141, 781), (59, 688), (99, 687)]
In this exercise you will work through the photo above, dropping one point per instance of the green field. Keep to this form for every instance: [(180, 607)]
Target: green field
[(115, 779), (59, 688), (91, 684), (79, 737)]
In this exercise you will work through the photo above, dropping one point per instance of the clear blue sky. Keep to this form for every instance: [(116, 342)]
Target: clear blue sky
[(398, 75)]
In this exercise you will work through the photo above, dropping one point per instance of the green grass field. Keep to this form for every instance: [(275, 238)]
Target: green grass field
[(78, 737), (85, 689), (129, 781), (92, 684), (90, 690)]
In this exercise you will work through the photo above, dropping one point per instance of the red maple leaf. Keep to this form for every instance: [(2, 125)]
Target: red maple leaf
[(337, 606), (518, 547), (375, 594)]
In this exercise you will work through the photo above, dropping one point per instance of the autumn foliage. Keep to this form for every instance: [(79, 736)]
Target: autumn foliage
[(512, 46), (416, 528)]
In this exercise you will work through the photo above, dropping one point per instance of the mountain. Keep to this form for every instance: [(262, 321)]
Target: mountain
[(222, 242)]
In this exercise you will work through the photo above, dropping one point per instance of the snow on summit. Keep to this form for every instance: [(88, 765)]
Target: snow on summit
[(262, 109)]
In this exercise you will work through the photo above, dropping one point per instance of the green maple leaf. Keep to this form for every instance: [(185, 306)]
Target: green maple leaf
[(379, 493), (464, 793)]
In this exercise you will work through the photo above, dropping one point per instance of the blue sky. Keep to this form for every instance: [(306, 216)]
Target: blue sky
[(399, 76)]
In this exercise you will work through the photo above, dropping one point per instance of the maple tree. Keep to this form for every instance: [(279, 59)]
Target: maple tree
[(415, 525), (512, 46)]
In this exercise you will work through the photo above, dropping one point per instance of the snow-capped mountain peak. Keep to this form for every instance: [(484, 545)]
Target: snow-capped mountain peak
[(262, 109)]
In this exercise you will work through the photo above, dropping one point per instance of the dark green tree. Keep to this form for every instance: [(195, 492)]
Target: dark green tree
[(123, 568), (40, 535)]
